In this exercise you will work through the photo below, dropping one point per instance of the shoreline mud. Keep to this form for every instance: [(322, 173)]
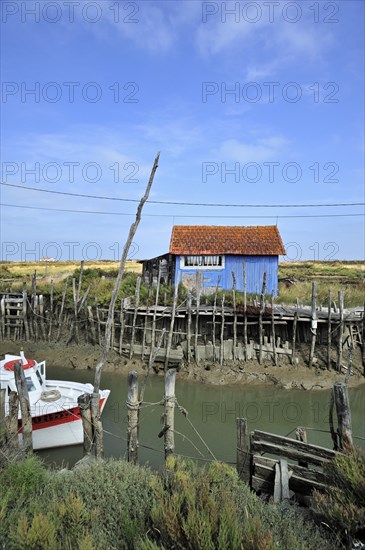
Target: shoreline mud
[(286, 376)]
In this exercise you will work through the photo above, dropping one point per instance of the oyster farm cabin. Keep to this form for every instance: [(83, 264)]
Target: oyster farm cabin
[(212, 253)]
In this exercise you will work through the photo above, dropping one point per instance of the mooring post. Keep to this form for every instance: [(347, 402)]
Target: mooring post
[(301, 435), (84, 403), (22, 389), (343, 411), (169, 412), (98, 435), (243, 455), (135, 314), (234, 317), (133, 414), (313, 323)]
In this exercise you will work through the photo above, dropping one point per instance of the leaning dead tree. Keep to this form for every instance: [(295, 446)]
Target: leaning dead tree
[(95, 409)]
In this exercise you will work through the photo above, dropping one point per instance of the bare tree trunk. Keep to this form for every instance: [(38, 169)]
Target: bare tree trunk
[(110, 318)]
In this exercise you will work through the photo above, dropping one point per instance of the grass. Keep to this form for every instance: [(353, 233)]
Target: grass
[(115, 505)]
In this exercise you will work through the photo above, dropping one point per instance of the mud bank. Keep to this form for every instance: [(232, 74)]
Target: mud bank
[(286, 376)]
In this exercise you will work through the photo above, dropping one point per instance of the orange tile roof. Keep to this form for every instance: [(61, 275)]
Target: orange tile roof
[(213, 239)]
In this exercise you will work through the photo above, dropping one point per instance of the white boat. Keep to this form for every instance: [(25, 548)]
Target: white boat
[(56, 419)]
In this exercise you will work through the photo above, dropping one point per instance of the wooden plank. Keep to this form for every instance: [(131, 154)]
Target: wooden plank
[(260, 437), (243, 456), (265, 467), (284, 479)]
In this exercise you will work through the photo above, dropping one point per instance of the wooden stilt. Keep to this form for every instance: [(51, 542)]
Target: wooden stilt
[(98, 436), (188, 338), (50, 310), (329, 330), (135, 313), (313, 323), (172, 321), (153, 336), (25, 316), (295, 321), (221, 355), (261, 312), (214, 317), (245, 340), (122, 323), (340, 332), (273, 330), (199, 277), (234, 317), (146, 320), (60, 318)]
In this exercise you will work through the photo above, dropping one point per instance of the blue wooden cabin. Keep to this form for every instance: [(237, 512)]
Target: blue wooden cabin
[(210, 254)]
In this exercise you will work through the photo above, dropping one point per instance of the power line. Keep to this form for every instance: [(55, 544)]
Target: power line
[(184, 203), (93, 212)]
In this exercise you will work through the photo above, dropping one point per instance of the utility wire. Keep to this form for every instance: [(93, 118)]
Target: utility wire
[(96, 212), (184, 203)]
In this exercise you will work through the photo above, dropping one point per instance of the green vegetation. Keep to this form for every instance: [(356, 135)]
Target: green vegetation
[(343, 504), (112, 504)]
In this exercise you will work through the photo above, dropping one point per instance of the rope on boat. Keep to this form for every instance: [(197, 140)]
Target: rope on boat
[(50, 395)]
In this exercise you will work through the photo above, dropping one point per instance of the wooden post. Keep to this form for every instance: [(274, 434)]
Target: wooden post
[(245, 341), (273, 330), (329, 330), (50, 311), (340, 332), (61, 310), (41, 316), (243, 457), (135, 313), (284, 480), (25, 318), (343, 411), (3, 434), (261, 312), (301, 435), (221, 355), (153, 336), (121, 321), (172, 322), (214, 316), (169, 412), (12, 420), (146, 320), (133, 417), (84, 403), (22, 389), (188, 338), (98, 439), (295, 321), (110, 318), (313, 323), (334, 434), (234, 317), (80, 281), (198, 292)]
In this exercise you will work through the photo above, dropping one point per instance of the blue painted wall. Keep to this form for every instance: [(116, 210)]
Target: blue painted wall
[(255, 268)]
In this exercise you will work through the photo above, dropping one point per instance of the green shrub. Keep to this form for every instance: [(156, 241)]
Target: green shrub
[(343, 504)]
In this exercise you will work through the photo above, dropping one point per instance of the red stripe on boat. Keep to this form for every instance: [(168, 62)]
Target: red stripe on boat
[(57, 418)]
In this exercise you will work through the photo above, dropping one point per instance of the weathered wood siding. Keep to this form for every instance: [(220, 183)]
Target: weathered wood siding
[(255, 265)]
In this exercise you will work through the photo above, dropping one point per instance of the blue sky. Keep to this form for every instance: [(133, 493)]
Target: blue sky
[(249, 103)]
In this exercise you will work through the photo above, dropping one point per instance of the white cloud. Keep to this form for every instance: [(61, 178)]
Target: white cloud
[(262, 150)]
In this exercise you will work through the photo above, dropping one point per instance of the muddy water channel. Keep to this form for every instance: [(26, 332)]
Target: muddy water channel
[(212, 410)]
